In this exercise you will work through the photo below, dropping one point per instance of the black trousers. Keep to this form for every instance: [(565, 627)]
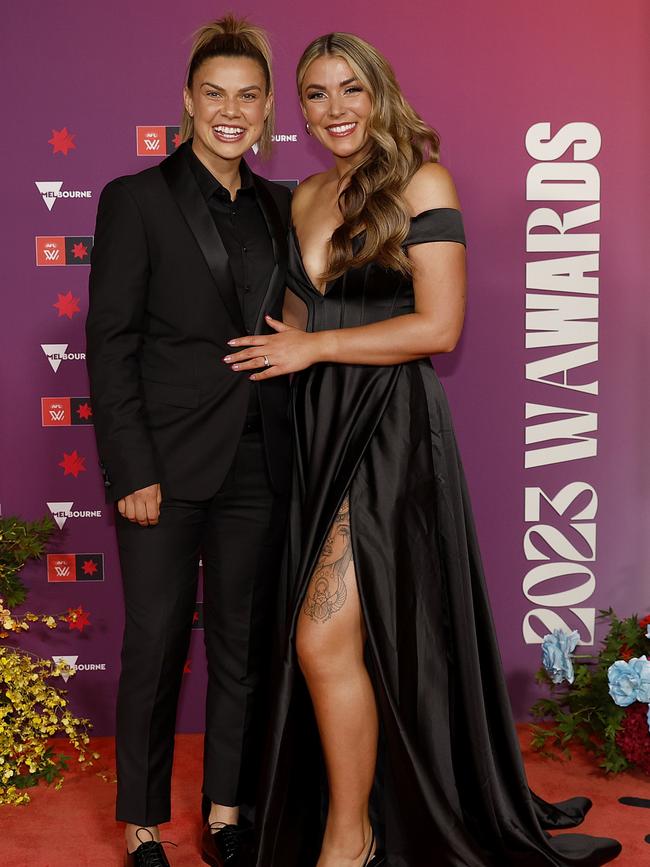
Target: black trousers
[(239, 534)]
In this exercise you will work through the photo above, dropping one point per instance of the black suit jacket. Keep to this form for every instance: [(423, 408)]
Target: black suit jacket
[(162, 307)]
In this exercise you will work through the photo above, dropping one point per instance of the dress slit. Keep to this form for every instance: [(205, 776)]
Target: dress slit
[(450, 788)]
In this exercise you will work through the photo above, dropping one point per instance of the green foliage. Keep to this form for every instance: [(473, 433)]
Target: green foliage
[(20, 541), (33, 709), (49, 772), (583, 712)]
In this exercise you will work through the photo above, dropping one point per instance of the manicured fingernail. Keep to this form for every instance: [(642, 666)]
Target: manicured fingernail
[(268, 316), (252, 377), (228, 357), (235, 367), (232, 343)]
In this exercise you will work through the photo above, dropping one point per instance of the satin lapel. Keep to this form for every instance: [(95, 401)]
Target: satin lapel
[(185, 191), (279, 241)]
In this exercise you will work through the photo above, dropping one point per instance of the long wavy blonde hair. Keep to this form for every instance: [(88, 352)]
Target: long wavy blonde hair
[(231, 36), (371, 198)]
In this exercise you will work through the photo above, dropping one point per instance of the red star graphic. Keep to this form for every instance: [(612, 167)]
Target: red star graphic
[(176, 140), (84, 410), (62, 141), (79, 251), (78, 618), (89, 567), (187, 668), (67, 305), (72, 464), (195, 619)]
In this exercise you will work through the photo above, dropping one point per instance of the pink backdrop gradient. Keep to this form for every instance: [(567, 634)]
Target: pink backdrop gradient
[(482, 73)]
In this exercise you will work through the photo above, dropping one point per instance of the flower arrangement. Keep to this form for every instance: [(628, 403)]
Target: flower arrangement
[(32, 708), (600, 701)]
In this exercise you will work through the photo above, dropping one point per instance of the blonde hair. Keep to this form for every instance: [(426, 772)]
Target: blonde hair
[(400, 142), (231, 37)]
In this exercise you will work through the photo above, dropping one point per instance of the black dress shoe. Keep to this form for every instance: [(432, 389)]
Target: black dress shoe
[(149, 854), (224, 845)]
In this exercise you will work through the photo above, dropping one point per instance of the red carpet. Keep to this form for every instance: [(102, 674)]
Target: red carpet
[(74, 827)]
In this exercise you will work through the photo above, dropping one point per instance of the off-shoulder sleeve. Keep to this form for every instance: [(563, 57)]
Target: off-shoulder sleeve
[(436, 224)]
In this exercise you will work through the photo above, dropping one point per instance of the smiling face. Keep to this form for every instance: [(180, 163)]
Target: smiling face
[(229, 104), (337, 106)]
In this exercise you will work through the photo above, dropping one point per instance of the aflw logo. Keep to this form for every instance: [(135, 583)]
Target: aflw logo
[(63, 249), (64, 411), (156, 141), (66, 568), (51, 252)]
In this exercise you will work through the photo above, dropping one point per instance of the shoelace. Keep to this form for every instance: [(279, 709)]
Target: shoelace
[(150, 853), (229, 836)]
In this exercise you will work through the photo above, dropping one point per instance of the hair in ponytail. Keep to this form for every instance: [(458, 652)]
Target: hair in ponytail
[(231, 37)]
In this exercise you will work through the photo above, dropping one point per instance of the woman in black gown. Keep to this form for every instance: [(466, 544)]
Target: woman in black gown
[(392, 724)]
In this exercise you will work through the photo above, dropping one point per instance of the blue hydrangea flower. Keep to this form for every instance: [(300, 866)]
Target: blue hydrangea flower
[(556, 654), (629, 681)]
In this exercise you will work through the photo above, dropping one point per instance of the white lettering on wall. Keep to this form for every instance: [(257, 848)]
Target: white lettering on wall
[(562, 334)]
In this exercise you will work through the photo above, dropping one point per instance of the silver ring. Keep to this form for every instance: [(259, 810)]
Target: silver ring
[(267, 363)]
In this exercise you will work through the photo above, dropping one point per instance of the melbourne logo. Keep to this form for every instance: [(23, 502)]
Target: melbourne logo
[(62, 511), (52, 190), (156, 141), (65, 411), (278, 138), (63, 250), (58, 352), (62, 141), (62, 568), (70, 666)]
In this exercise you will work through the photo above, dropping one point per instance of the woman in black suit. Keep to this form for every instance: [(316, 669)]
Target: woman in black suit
[(186, 255)]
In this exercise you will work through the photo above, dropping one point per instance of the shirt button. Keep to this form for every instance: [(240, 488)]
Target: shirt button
[(245, 249)]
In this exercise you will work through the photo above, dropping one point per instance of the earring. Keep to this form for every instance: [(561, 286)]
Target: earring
[(307, 129)]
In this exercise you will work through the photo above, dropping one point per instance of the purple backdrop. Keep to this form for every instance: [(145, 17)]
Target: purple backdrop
[(82, 79)]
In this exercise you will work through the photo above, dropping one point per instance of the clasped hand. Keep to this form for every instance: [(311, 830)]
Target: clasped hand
[(288, 351)]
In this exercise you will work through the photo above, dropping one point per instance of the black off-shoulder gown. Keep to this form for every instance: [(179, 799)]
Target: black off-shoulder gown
[(450, 789)]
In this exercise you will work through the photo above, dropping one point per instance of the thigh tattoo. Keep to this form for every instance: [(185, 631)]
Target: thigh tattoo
[(327, 591)]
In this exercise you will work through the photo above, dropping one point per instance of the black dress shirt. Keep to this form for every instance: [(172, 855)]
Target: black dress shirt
[(244, 233), (245, 236)]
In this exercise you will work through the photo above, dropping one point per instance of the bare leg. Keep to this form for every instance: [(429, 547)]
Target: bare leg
[(329, 641), (222, 815), (136, 834)]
